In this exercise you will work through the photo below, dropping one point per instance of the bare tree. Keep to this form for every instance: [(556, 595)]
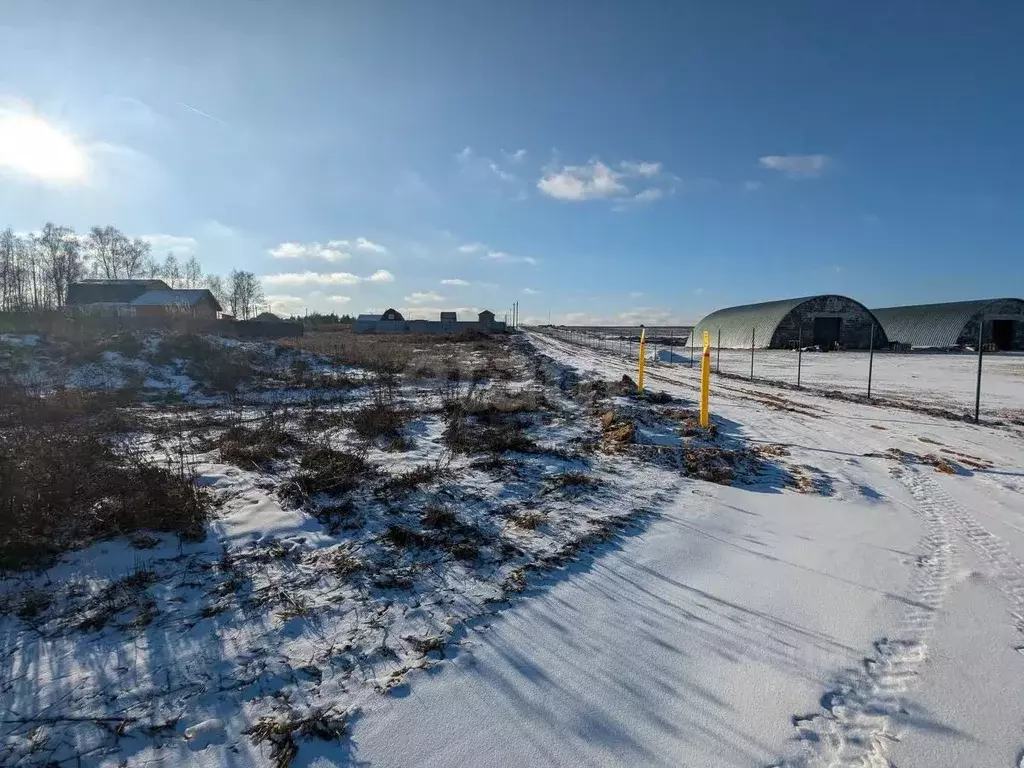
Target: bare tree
[(171, 271), (34, 264), (245, 294), (216, 286), (192, 273), (8, 268), (104, 245), (135, 257), (62, 259)]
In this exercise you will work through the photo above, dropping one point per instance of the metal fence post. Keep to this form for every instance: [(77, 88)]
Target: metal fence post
[(691, 346), (753, 331), (671, 346), (871, 359), (981, 352), (718, 355), (799, 353)]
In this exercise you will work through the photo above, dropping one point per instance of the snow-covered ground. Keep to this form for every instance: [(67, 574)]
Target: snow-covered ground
[(876, 623), (854, 598)]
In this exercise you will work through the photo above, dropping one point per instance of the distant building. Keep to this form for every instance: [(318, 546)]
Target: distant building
[(141, 298), (828, 322), (106, 292), (393, 322), (956, 324)]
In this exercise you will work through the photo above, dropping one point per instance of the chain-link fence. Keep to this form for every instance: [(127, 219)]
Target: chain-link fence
[(959, 384)]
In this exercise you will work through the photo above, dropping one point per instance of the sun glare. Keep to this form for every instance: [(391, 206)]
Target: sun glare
[(32, 147)]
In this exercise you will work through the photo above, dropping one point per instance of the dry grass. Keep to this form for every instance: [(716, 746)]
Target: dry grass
[(325, 470), (280, 732), (256, 447), (380, 419), (65, 482)]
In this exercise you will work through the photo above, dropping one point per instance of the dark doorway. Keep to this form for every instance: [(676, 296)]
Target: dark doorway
[(1002, 334), (827, 331)]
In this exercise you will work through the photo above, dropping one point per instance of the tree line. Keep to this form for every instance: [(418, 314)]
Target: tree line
[(38, 268)]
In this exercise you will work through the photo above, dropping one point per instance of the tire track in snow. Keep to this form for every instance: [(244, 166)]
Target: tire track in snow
[(860, 717), (1008, 570)]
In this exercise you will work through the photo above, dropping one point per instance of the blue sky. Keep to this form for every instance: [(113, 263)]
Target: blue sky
[(601, 161)]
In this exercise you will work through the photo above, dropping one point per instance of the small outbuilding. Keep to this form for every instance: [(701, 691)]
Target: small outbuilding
[(955, 324), (197, 303), (828, 321)]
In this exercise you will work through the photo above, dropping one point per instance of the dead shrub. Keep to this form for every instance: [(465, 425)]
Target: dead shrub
[(571, 481), (215, 367), (280, 732), (63, 484), (377, 420), (464, 550), (438, 517), (504, 434), (256, 447), (404, 483), (340, 517), (325, 470), (402, 537), (711, 463), (530, 520)]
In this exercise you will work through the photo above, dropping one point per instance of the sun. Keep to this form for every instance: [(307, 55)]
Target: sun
[(30, 146)]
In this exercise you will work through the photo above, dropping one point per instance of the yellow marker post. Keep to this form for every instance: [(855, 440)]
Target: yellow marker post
[(705, 381), (640, 366)]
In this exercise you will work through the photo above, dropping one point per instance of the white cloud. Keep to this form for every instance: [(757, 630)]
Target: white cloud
[(381, 276), (796, 166), (752, 186), (368, 245), (485, 169), (649, 195), (635, 294), (471, 248), (32, 147), (697, 291), (514, 157), (314, 301), (422, 297), (508, 258), (312, 278), (331, 251), (176, 244), (645, 169), (284, 304), (531, 291), (454, 281), (576, 183)]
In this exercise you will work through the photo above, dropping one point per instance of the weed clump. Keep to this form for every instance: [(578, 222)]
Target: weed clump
[(64, 484), (325, 470)]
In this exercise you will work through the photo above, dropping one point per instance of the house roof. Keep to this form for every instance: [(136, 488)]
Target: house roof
[(370, 318), (175, 297), (111, 291), (933, 325)]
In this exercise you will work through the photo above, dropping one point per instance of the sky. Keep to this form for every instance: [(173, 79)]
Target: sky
[(596, 161)]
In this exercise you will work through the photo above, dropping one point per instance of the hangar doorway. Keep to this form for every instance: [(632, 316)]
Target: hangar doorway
[(1002, 334), (827, 331)]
